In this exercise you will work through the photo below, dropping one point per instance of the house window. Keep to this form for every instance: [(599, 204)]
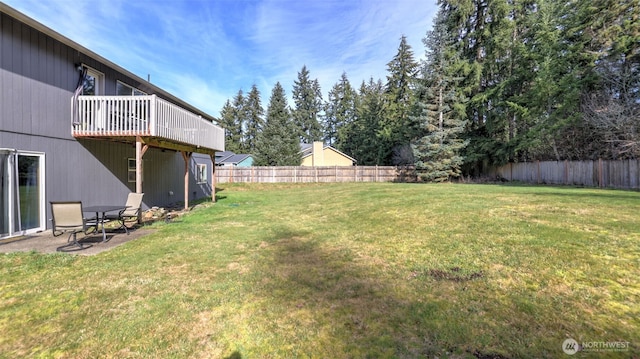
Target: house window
[(201, 175), (93, 84), (22, 192), (123, 89), (131, 170)]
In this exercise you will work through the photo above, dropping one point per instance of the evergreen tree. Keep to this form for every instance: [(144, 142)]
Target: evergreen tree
[(508, 76), (544, 79), (229, 123), (537, 71), (471, 23), (238, 112), (440, 110), (398, 129), (278, 143), (361, 138), (254, 119), (543, 100), (307, 98), (574, 75), (339, 111)]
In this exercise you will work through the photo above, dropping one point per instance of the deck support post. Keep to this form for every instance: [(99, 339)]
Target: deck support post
[(187, 159), (140, 151), (213, 177), (141, 148)]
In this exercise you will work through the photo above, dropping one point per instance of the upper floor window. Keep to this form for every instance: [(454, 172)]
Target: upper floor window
[(123, 89), (93, 84)]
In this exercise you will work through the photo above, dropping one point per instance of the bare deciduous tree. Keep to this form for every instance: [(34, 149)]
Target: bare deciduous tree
[(614, 109)]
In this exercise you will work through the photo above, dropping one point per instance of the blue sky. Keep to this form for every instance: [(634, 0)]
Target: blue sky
[(204, 51)]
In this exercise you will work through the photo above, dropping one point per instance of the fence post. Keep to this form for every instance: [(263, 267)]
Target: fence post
[(212, 156), (600, 174), (538, 171), (628, 186), (637, 174), (566, 172)]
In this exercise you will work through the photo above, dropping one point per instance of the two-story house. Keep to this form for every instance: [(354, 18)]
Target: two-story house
[(76, 126)]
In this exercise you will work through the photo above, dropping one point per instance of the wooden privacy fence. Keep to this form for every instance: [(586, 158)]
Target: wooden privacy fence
[(296, 174), (624, 174)]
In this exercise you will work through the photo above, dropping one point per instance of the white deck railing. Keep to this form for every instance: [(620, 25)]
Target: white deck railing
[(142, 116)]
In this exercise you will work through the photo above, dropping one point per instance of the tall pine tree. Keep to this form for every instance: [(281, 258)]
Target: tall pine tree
[(307, 98), (440, 109), (469, 21), (228, 121), (539, 136), (238, 112), (361, 138), (398, 129), (278, 144), (339, 111), (254, 119)]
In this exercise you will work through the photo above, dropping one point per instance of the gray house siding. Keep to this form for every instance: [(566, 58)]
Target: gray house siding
[(37, 80)]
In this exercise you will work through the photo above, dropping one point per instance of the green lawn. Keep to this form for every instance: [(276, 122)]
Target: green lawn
[(344, 271)]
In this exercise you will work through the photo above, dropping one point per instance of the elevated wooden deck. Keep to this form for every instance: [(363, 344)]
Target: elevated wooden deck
[(147, 119)]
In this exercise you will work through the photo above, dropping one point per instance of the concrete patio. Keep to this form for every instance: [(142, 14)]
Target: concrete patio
[(45, 242)]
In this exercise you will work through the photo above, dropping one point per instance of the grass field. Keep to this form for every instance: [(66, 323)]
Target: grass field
[(345, 271)]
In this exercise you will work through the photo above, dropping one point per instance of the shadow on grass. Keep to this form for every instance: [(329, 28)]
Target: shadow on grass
[(354, 312), (589, 193), (234, 355), (575, 191)]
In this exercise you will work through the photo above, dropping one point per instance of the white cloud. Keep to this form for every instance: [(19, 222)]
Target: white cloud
[(200, 93), (205, 51), (333, 37)]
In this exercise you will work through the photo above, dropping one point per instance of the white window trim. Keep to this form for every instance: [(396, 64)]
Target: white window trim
[(202, 176), (99, 76)]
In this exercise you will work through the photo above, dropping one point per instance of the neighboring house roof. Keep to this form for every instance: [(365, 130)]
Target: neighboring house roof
[(307, 150), (235, 159), (220, 156), (230, 158)]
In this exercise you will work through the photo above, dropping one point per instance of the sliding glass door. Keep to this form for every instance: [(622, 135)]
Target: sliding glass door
[(6, 166), (22, 198)]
